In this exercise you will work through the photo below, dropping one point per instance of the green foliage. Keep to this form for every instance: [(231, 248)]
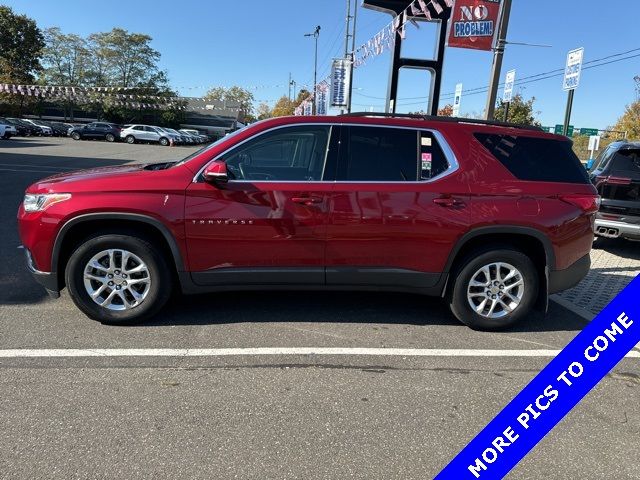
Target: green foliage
[(521, 111), (235, 94), (21, 44)]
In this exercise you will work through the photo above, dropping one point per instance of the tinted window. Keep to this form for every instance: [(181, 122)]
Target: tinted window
[(293, 154), (626, 163), (537, 159), (379, 154), (432, 159)]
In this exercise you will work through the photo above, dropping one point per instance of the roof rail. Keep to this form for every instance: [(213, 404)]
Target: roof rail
[(443, 119)]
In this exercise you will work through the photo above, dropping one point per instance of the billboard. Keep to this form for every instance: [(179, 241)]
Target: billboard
[(474, 24), (340, 81)]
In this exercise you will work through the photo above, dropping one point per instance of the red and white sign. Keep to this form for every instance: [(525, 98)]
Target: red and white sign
[(474, 24)]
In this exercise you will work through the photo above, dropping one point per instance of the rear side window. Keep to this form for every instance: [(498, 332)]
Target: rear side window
[(379, 154), (536, 159)]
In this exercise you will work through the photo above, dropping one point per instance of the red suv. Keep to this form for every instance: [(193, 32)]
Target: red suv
[(492, 217)]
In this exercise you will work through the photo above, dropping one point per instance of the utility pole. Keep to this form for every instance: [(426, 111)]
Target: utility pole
[(346, 37), (353, 53), (498, 53), (315, 35), (289, 84)]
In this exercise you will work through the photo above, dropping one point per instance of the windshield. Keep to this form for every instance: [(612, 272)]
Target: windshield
[(210, 146)]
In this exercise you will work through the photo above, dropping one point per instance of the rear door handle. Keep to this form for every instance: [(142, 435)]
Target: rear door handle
[(448, 202), (311, 200)]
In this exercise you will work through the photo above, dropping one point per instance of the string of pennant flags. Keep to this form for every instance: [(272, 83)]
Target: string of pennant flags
[(94, 95), (381, 42)]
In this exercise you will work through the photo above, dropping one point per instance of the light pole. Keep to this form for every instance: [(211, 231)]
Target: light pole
[(315, 35)]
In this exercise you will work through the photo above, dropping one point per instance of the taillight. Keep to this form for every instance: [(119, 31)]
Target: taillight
[(588, 203)]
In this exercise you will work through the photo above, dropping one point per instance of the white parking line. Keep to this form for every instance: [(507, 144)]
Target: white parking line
[(225, 352)]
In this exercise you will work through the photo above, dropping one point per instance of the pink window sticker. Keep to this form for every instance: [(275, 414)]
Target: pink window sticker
[(426, 157)]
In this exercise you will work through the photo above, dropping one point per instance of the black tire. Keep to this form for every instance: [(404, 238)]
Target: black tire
[(76, 136), (164, 142), (467, 269), (130, 139), (159, 290), (110, 137)]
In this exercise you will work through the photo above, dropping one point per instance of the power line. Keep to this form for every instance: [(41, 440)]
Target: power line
[(525, 80)]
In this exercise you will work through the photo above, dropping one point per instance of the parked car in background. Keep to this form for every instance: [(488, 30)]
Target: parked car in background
[(96, 130), (29, 128), (491, 217), (7, 130), (196, 135), (183, 138), (21, 130), (616, 175), (147, 133), (173, 136), (46, 129)]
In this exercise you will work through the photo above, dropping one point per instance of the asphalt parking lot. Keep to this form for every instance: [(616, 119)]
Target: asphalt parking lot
[(283, 415)]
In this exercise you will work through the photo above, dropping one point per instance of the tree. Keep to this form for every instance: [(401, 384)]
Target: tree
[(446, 111), (630, 121), (302, 95), (235, 94), (123, 59), (66, 61), (520, 111), (21, 44), (283, 107), (264, 111)]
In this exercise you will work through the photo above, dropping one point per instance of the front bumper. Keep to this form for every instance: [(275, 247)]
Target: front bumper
[(615, 229), (560, 280), (49, 280)]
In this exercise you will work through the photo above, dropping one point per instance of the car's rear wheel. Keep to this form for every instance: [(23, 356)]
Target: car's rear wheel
[(493, 289), (75, 136), (110, 137), (130, 139), (118, 279)]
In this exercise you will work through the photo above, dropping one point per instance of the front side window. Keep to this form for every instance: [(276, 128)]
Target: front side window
[(288, 154)]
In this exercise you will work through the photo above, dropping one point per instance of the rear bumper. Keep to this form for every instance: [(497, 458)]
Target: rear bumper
[(49, 280), (560, 280), (615, 229)]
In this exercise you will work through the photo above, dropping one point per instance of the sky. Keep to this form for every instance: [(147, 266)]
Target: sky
[(257, 44)]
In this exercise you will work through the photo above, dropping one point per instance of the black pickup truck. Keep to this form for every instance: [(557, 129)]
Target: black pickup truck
[(616, 175)]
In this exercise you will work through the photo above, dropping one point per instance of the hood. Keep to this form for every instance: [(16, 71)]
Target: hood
[(87, 180)]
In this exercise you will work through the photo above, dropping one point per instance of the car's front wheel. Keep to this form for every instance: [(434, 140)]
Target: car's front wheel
[(118, 279), (494, 289), (75, 136)]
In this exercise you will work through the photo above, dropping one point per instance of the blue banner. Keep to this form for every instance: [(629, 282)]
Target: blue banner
[(553, 392)]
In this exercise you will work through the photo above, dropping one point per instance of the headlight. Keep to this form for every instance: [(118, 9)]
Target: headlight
[(38, 203)]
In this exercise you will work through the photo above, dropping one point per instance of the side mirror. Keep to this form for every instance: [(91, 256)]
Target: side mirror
[(216, 173)]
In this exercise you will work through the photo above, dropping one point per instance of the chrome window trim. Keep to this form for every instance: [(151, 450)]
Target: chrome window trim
[(454, 166)]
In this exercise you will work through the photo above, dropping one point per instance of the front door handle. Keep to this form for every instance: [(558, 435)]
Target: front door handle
[(310, 200), (449, 202)]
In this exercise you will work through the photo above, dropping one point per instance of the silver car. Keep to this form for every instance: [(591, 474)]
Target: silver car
[(147, 133)]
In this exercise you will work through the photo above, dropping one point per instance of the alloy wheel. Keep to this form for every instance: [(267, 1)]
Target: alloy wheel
[(117, 279), (495, 290)]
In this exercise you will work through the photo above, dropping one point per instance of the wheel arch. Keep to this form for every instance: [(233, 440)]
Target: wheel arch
[(82, 226), (529, 240)]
